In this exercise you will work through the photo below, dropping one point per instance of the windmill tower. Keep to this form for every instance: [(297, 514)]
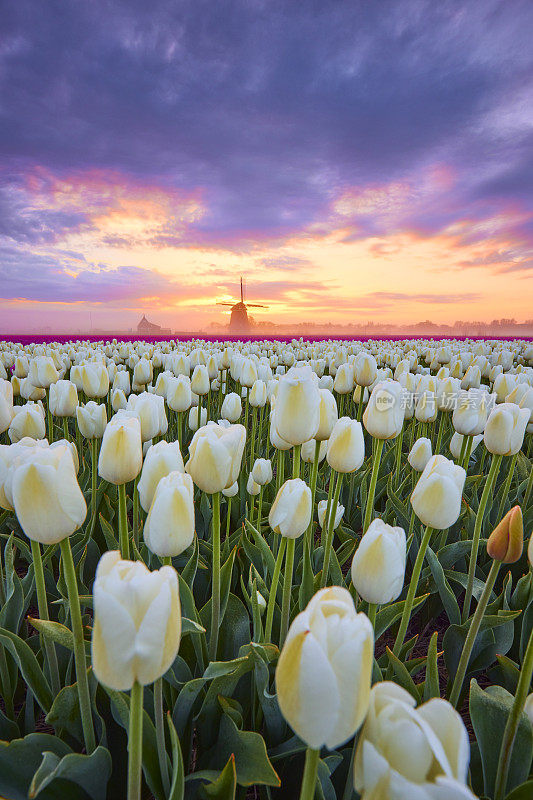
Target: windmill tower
[(239, 321)]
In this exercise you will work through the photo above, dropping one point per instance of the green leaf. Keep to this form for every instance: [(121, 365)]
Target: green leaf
[(29, 667), (225, 786), (177, 787), (91, 773), (443, 587), (252, 764), (20, 759), (431, 684), (390, 614), (489, 711), (402, 675), (523, 792), (54, 631)]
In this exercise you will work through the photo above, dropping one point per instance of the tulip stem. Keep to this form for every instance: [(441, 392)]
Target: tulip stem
[(252, 443), (314, 475), (160, 734), (274, 589), (513, 720), (398, 456), (487, 489), (331, 528), (49, 417), (287, 586), (136, 511), (529, 488), (42, 605), (507, 485), (94, 480), (296, 460), (440, 432), (215, 599), (371, 613), (468, 451), (472, 633), (328, 509), (123, 523), (411, 592), (135, 741), (360, 403), (80, 660), (312, 758), (199, 413), (65, 429), (369, 510)]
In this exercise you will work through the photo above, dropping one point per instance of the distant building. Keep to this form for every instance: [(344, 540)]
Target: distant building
[(147, 328)]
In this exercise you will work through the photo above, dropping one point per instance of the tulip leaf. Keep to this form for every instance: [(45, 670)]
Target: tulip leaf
[(402, 675), (190, 626), (431, 683), (445, 593), (252, 764), (489, 710), (20, 759), (523, 792), (177, 788), (54, 631), (90, 773), (29, 667), (390, 614), (12, 608)]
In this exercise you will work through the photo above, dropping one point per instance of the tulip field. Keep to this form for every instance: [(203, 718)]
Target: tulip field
[(266, 569)]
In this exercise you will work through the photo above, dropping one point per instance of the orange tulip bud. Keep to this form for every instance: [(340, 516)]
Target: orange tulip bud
[(507, 539)]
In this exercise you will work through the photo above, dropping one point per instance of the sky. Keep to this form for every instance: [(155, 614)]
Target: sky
[(355, 160)]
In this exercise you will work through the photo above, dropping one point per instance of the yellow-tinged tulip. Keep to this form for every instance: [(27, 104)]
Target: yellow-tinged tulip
[(436, 498), (27, 420), (169, 527), (45, 494), (346, 446), (63, 399), (328, 415), (262, 471), (296, 415), (120, 457), (215, 456), (505, 429), (420, 454), (95, 380), (324, 671), (323, 507), (179, 395), (92, 419), (365, 369), (161, 459), (137, 622), (43, 372), (405, 752), (384, 413), (290, 513), (200, 380), (231, 407), (378, 565)]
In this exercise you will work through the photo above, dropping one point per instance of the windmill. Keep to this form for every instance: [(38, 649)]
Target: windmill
[(239, 320)]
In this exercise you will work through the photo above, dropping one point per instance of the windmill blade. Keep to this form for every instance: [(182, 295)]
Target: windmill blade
[(226, 304), (255, 305)]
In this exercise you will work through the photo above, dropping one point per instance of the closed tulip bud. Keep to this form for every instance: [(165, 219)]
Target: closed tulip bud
[(162, 383), (15, 385), (43, 372), (308, 451), (231, 491), (215, 456), (365, 369), (447, 393), (252, 487), (150, 411), (27, 420), (506, 541), (200, 380), (406, 752), (121, 457), (169, 527), (258, 394), (328, 415), (137, 622), (384, 414), (296, 415), (378, 566), (471, 412), (122, 381), (505, 429), (420, 454), (192, 419), (471, 378), (346, 446), (143, 372), (95, 380), (343, 383), (262, 471), (326, 382), (6, 406), (248, 373), (63, 399), (45, 494), (323, 507), (276, 440), (179, 396), (22, 367), (30, 392), (92, 419), (118, 400), (231, 407), (504, 384), (324, 671), (436, 498), (161, 459), (290, 513)]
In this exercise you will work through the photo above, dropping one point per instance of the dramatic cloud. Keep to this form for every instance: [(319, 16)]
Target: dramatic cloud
[(196, 140)]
